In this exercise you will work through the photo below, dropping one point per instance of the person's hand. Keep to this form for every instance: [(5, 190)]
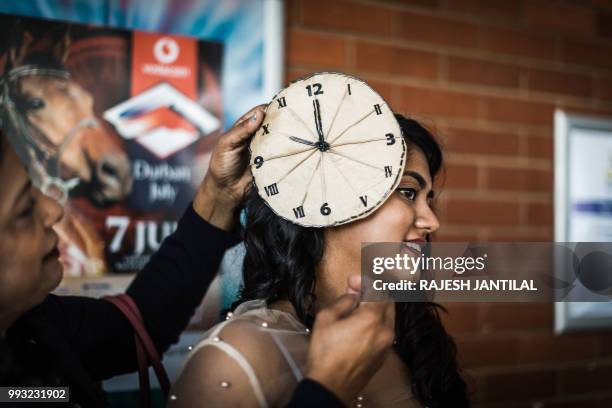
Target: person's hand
[(350, 341), (224, 185)]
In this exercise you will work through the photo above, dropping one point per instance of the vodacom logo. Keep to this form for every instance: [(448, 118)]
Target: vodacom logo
[(166, 50)]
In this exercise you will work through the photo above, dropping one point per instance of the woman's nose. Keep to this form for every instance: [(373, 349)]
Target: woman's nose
[(426, 220), (51, 210)]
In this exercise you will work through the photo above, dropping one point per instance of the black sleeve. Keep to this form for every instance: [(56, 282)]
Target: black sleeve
[(167, 291), (310, 393), (172, 285)]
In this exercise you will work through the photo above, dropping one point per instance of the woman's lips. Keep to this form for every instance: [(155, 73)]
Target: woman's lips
[(412, 248), (53, 254)]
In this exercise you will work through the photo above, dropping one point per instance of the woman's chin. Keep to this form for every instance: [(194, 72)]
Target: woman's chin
[(53, 271)]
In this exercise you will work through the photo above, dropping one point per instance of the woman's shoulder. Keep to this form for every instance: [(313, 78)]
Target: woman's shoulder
[(256, 351), (254, 326)]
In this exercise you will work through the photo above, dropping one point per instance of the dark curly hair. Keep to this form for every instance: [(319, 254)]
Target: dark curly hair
[(280, 263)]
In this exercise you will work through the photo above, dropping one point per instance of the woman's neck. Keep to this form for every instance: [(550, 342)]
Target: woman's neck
[(332, 274)]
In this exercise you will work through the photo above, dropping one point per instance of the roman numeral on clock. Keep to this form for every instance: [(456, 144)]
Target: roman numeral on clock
[(281, 102), (377, 109), (265, 129), (388, 171), (299, 212), (349, 89), (364, 200), (271, 190)]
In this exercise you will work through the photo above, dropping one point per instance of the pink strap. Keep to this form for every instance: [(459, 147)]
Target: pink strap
[(145, 349)]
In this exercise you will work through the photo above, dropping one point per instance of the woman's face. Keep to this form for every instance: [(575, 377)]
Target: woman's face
[(29, 264), (405, 216)]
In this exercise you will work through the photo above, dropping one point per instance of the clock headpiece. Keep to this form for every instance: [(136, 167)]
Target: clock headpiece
[(329, 152)]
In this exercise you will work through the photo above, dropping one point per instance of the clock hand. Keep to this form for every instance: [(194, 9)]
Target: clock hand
[(304, 141), (321, 144), (317, 117)]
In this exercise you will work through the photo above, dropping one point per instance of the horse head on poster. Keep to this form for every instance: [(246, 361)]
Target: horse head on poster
[(55, 118)]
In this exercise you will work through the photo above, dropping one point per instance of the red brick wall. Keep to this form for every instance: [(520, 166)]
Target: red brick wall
[(486, 75)]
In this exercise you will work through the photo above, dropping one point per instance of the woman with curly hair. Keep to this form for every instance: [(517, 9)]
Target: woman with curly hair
[(291, 272)]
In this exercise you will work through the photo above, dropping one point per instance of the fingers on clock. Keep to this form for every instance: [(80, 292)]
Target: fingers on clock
[(249, 114), (243, 131)]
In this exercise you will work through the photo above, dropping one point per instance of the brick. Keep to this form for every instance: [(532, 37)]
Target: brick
[(540, 214), (461, 317), (498, 178), (420, 3), (459, 176), (444, 235), (383, 89), (481, 142), (592, 377), (475, 212), (321, 50), (602, 4), (540, 147), (487, 8), (519, 235), (514, 316), (295, 74), (559, 82), (438, 30), (587, 53), (395, 60), (604, 24), (516, 42), (487, 350), (347, 16), (545, 347), (511, 110), (482, 72), (604, 112), (292, 12), (520, 386), (437, 102), (604, 89), (559, 16)]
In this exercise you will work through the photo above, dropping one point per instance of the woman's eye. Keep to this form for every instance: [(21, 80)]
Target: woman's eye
[(408, 193), (35, 104), (28, 210)]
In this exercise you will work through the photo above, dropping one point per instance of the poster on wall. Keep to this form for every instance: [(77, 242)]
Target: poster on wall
[(583, 207), (140, 71), (150, 69), (121, 124)]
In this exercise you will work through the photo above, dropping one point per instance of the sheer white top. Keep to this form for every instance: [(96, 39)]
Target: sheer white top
[(257, 357)]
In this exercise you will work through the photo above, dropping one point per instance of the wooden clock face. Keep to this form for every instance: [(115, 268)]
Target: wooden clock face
[(328, 152)]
